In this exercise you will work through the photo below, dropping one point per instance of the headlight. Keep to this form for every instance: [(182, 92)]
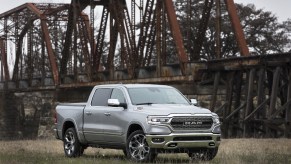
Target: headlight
[(158, 119), (217, 130), (215, 119)]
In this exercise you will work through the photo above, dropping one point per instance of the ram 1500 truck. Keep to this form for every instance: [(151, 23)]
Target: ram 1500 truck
[(140, 119)]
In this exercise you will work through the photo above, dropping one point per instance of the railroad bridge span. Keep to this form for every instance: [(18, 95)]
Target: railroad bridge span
[(54, 53)]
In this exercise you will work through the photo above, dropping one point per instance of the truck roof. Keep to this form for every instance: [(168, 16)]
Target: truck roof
[(134, 85)]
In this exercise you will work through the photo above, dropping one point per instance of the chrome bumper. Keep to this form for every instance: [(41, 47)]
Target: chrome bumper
[(184, 140)]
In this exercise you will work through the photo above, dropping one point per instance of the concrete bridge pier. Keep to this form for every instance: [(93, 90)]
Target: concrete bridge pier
[(11, 119), (26, 115)]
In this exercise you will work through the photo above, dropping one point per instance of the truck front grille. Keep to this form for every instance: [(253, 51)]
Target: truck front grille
[(193, 138), (192, 123)]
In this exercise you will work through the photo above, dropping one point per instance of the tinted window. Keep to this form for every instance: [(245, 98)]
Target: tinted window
[(101, 96), (118, 94)]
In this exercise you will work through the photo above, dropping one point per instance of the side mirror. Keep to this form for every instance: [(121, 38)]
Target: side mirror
[(116, 103), (194, 102)]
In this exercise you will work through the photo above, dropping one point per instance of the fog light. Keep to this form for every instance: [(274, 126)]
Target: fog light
[(172, 145), (158, 140), (211, 144)]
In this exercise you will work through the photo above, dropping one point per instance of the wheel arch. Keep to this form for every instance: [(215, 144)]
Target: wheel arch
[(134, 126), (68, 124)]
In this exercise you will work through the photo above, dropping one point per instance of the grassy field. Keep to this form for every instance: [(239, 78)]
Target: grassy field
[(231, 151)]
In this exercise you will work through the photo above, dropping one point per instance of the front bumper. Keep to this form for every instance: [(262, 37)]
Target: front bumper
[(183, 140)]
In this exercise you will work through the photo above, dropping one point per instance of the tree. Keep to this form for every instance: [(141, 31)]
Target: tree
[(264, 34)]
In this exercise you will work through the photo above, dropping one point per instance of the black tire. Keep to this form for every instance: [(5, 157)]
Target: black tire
[(72, 146), (204, 155), (137, 149)]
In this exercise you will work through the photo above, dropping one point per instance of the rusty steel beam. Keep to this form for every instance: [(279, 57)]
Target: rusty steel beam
[(51, 55), (94, 2), (19, 49), (72, 21), (145, 27), (47, 39), (149, 44), (177, 35), (113, 42), (130, 39), (85, 38), (100, 40), (12, 11), (238, 31), (88, 29), (85, 49), (57, 9), (158, 32)]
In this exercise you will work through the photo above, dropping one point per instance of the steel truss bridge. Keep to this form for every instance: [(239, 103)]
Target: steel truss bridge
[(52, 46)]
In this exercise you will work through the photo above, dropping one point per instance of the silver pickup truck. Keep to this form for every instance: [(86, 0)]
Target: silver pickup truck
[(140, 119)]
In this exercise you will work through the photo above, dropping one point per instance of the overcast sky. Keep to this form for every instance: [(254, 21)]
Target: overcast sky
[(281, 8)]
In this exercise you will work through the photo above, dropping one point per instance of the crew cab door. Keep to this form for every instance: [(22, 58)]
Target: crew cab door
[(94, 114), (115, 120)]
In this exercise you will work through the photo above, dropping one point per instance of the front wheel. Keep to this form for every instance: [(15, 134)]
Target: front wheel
[(137, 148), (72, 146)]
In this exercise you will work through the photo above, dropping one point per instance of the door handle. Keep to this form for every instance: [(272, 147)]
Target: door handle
[(88, 113), (107, 114)]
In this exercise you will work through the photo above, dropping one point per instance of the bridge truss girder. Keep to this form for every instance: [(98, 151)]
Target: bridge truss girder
[(80, 52)]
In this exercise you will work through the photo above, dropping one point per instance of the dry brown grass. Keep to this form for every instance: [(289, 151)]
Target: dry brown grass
[(230, 151), (255, 151)]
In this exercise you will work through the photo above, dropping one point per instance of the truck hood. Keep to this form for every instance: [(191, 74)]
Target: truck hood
[(166, 109)]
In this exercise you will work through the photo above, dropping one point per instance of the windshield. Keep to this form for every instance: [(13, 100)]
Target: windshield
[(154, 95)]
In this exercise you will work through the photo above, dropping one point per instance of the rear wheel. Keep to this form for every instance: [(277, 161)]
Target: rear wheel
[(205, 155), (137, 148), (72, 146)]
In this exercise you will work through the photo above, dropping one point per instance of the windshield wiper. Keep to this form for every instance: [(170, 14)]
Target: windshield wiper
[(148, 103)]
